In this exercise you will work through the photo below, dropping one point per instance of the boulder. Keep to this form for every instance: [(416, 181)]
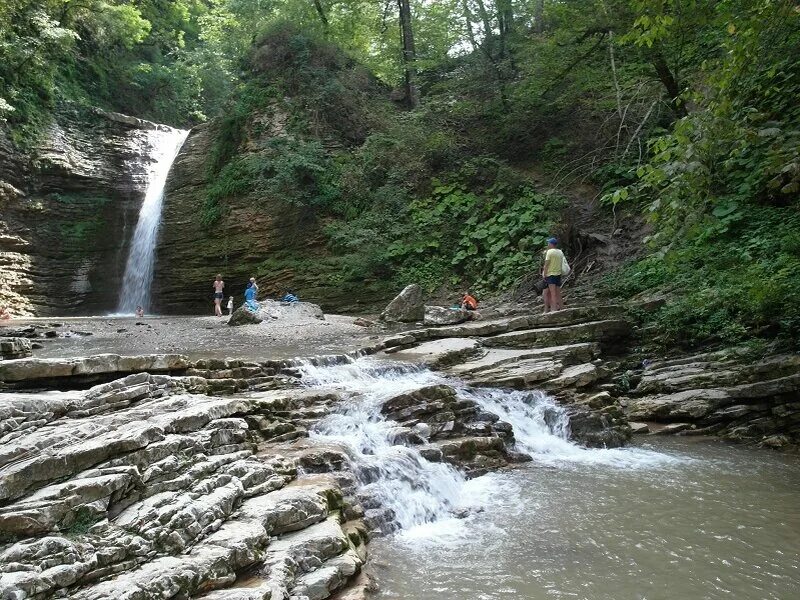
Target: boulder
[(243, 316), (439, 315), (15, 347), (270, 310), (407, 307)]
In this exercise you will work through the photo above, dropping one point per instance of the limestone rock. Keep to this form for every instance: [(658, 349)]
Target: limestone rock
[(439, 315), (593, 331), (407, 307), (86, 173), (15, 347), (25, 370), (440, 353), (243, 316)]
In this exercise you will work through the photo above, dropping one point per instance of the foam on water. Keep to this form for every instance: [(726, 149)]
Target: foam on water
[(138, 276), (424, 495), (541, 429)]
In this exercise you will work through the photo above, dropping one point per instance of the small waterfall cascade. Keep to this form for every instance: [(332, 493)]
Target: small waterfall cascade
[(398, 477), (138, 277)]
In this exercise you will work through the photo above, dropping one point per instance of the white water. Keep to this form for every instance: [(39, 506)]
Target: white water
[(138, 276), (423, 494)]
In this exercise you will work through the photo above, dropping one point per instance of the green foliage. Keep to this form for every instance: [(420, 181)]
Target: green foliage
[(482, 225), (298, 173)]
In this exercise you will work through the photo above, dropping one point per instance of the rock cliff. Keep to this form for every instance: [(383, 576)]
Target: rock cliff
[(282, 245), (68, 205)]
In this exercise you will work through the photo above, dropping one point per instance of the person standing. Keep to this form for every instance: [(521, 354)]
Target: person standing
[(219, 294), (552, 272)]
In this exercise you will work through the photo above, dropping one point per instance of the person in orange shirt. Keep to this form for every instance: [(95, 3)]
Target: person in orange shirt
[(468, 302)]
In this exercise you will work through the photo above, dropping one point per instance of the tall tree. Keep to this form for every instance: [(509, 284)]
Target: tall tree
[(409, 52)]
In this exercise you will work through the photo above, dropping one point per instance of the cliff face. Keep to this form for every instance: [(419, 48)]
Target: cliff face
[(259, 235), (266, 238), (68, 207)]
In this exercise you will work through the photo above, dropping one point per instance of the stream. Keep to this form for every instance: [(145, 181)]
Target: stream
[(666, 518)]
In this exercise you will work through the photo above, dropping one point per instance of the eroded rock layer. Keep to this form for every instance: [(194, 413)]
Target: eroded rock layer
[(68, 206)]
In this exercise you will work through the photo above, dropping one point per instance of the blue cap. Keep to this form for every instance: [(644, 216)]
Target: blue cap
[(553, 241)]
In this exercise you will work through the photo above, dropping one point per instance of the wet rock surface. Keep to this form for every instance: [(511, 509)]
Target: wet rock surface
[(180, 476)]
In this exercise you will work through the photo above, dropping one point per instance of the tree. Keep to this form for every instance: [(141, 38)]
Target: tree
[(409, 52)]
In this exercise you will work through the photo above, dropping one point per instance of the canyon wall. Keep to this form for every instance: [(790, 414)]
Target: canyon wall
[(68, 206), (259, 235)]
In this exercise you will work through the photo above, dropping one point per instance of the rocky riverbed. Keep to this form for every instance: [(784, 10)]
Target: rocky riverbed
[(181, 457)]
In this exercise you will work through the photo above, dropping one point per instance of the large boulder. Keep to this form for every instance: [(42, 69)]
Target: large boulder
[(244, 316), (270, 310), (440, 315), (407, 307)]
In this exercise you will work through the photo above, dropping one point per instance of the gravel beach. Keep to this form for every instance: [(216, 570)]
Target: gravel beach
[(196, 337)]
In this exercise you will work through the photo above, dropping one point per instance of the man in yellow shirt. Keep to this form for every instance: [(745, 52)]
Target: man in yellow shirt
[(552, 270)]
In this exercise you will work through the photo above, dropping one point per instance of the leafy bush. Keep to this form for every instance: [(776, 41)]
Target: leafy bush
[(728, 288)]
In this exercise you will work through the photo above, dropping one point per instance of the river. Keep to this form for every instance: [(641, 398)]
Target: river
[(675, 518)]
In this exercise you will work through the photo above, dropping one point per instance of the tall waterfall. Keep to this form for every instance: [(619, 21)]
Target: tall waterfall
[(420, 492), (138, 276)]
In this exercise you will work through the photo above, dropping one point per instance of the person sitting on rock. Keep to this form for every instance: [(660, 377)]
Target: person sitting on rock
[(4, 314), (290, 297), (250, 297), (139, 311), (468, 302)]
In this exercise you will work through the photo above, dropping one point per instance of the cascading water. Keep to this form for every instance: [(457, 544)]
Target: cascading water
[(138, 276), (416, 490)]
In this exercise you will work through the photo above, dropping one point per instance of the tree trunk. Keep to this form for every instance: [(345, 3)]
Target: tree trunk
[(322, 16), (670, 82), (505, 16), (409, 53), (468, 18), (538, 16)]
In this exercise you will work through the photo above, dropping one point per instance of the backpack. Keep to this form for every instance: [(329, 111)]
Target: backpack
[(565, 268)]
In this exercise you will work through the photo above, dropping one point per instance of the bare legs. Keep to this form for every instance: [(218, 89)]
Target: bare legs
[(552, 298), (217, 307)]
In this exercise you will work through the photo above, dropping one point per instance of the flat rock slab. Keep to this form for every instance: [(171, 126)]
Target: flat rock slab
[(577, 315), (497, 357), (598, 331), (438, 353), (520, 375), (713, 370), (701, 404), (30, 369), (577, 376)]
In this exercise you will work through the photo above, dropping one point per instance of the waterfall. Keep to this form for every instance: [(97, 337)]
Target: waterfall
[(138, 276), (420, 492)]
